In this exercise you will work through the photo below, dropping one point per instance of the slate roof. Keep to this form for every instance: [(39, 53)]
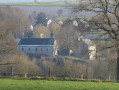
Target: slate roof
[(36, 41), (88, 42)]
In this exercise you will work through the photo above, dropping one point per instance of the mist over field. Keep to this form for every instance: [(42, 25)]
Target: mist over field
[(49, 11)]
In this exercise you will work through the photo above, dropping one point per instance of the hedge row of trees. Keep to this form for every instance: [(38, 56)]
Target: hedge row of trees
[(59, 66)]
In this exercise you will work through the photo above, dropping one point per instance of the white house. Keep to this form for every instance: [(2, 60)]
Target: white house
[(91, 49), (84, 48), (38, 46)]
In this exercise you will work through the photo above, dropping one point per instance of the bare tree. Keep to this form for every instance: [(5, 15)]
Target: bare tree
[(16, 20), (107, 20), (42, 32), (23, 65), (11, 25)]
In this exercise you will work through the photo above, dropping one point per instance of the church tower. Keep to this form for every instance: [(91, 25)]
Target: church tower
[(52, 34)]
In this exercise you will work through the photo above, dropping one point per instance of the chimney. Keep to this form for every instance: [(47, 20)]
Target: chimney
[(80, 38), (41, 35)]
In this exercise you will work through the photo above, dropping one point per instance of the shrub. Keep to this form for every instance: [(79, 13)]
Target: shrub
[(95, 80), (19, 78), (66, 79)]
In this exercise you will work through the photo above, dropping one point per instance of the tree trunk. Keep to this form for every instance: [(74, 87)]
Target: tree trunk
[(49, 72), (117, 65), (25, 75), (11, 71), (86, 72)]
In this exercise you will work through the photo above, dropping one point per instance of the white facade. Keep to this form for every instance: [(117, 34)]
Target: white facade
[(48, 50), (86, 49), (92, 52), (49, 22), (37, 49), (55, 48)]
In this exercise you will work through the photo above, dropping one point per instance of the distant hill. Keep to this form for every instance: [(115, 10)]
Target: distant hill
[(32, 0)]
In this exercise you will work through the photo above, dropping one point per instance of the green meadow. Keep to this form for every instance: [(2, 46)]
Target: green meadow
[(13, 84)]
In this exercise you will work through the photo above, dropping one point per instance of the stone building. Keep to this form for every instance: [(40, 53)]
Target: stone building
[(38, 46), (84, 48)]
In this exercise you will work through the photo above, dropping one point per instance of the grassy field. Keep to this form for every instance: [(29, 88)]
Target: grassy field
[(75, 58), (10, 84)]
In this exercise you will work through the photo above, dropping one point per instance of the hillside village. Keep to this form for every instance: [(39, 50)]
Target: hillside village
[(59, 44), (83, 48), (40, 44)]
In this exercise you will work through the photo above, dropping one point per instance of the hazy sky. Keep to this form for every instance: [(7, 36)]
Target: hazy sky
[(31, 0)]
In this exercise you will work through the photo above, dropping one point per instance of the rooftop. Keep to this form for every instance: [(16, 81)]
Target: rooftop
[(36, 41)]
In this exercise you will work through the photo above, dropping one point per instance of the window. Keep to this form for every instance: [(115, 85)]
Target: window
[(29, 49), (41, 49), (36, 49), (46, 49)]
